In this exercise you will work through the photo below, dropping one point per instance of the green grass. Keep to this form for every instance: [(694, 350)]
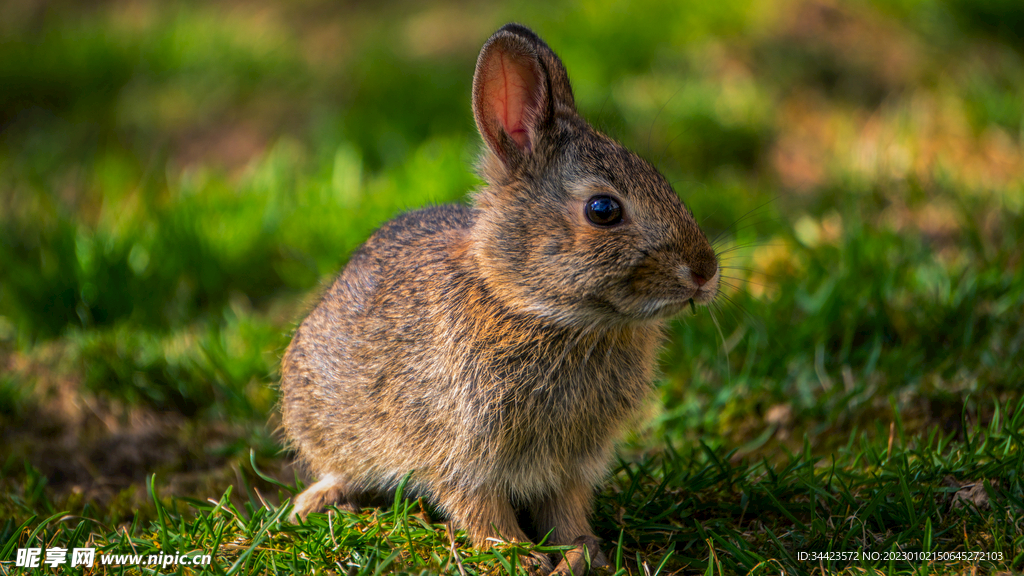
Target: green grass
[(666, 511), (178, 181)]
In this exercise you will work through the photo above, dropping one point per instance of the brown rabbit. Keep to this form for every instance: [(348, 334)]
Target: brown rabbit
[(499, 350)]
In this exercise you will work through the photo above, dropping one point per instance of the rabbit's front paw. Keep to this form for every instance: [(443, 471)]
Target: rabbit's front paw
[(574, 563), (538, 564)]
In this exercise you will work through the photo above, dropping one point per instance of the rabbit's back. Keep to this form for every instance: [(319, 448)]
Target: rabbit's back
[(350, 393)]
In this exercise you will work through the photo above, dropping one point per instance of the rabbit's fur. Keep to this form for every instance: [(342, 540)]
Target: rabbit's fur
[(499, 350)]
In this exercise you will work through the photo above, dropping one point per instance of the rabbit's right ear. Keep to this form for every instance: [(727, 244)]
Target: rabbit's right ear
[(518, 88)]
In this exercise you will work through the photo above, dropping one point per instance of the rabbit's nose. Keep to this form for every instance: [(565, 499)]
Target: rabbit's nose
[(703, 270), (698, 276)]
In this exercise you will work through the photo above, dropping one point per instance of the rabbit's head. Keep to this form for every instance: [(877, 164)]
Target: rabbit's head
[(572, 225)]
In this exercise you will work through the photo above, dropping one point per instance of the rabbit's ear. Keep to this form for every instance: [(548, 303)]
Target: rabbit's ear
[(519, 87)]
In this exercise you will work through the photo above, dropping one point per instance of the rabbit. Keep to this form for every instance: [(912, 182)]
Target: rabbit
[(499, 350)]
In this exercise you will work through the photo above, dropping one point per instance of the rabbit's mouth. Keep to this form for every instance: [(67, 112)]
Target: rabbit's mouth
[(668, 307), (664, 308), (705, 294)]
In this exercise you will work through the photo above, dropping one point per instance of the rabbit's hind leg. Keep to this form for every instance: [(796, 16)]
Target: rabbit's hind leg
[(331, 489)]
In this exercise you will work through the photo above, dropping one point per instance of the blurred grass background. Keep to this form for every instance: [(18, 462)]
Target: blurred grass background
[(178, 180)]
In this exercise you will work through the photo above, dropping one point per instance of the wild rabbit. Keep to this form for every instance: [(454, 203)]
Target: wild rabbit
[(499, 350)]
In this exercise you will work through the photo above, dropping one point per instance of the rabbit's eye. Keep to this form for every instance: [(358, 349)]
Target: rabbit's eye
[(604, 211)]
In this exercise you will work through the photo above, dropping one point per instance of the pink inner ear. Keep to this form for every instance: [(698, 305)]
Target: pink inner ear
[(510, 92)]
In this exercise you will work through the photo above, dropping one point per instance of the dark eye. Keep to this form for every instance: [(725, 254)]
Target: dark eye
[(604, 211)]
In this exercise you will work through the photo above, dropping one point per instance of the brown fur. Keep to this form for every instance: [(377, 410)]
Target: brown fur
[(499, 350)]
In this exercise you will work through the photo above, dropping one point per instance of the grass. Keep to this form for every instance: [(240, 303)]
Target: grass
[(179, 180), (700, 509)]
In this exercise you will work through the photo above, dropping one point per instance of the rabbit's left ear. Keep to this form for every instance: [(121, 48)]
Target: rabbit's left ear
[(518, 87)]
